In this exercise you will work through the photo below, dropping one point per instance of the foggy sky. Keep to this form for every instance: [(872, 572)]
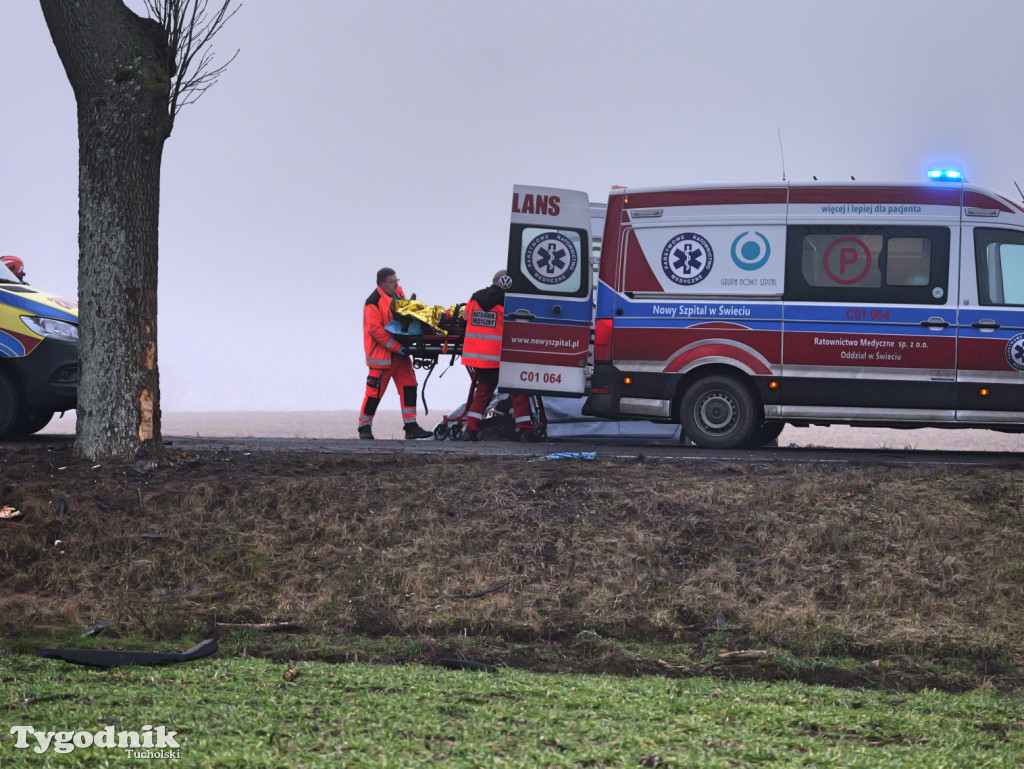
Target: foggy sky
[(350, 136)]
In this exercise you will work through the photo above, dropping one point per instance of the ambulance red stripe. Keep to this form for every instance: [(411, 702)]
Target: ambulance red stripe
[(731, 196)]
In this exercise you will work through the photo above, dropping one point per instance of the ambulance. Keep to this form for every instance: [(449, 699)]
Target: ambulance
[(38, 356), (734, 310)]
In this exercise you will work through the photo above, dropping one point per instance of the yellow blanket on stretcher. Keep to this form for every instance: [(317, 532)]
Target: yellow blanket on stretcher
[(434, 315)]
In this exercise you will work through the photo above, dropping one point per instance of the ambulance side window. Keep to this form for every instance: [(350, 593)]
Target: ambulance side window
[(909, 262), (827, 260), (864, 264), (999, 256)]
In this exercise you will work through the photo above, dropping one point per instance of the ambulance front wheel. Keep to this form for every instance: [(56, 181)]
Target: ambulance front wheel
[(9, 404), (719, 412), (30, 422)]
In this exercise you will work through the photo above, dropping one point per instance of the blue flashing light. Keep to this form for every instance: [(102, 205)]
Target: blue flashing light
[(945, 175)]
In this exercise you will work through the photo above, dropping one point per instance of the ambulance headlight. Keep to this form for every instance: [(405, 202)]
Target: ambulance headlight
[(49, 327)]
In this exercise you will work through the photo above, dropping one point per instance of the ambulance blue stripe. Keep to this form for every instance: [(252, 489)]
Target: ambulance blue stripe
[(606, 299), (875, 329), (36, 308), (798, 327), (739, 312), (10, 347), (728, 316), (1010, 319), (840, 313), (575, 312), (683, 323)]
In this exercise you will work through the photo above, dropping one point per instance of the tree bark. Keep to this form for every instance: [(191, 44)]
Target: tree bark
[(114, 62)]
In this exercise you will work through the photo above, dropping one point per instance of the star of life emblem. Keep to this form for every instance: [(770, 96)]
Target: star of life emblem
[(1015, 352), (551, 258), (687, 258)]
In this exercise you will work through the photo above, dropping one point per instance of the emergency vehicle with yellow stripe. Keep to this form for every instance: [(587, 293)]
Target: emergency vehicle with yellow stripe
[(734, 310), (38, 355)]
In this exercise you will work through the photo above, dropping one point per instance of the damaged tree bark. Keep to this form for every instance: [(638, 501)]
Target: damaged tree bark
[(113, 60)]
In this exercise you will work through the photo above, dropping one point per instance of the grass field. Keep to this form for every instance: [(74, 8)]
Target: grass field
[(242, 713), (885, 606)]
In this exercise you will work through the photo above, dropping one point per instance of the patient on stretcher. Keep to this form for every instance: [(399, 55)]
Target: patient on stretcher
[(413, 318)]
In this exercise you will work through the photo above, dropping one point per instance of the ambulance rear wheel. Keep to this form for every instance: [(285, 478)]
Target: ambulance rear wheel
[(9, 404), (719, 412)]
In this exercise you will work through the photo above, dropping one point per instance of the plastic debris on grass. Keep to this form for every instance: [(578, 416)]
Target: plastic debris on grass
[(98, 628), (569, 455)]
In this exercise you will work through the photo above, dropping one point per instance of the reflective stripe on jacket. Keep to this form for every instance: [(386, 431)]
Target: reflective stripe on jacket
[(377, 342), (485, 315)]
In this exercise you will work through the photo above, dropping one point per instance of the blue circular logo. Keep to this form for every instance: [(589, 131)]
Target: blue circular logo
[(687, 259), (551, 258), (751, 252), (1015, 352)]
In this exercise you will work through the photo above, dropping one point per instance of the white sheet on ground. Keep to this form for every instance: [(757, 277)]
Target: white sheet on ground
[(566, 420)]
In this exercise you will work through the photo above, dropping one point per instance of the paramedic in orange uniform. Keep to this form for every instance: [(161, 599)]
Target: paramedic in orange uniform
[(387, 359), (481, 352)]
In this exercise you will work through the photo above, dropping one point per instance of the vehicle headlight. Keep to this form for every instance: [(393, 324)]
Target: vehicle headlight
[(49, 327)]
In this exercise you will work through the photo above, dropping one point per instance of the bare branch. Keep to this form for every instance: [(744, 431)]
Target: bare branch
[(190, 30)]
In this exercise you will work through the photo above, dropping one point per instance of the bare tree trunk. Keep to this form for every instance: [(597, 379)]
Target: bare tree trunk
[(114, 62)]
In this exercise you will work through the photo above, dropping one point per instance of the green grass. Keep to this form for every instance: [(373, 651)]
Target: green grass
[(238, 712)]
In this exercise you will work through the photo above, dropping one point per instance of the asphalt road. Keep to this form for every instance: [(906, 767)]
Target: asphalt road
[(562, 449), (626, 451)]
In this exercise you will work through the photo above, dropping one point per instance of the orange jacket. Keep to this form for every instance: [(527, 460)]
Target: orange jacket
[(485, 315), (378, 343)]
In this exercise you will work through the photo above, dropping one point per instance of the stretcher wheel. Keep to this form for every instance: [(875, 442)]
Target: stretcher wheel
[(541, 431), (455, 432), (440, 432)]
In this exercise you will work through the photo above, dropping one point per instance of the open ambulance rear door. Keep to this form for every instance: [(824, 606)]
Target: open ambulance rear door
[(548, 306)]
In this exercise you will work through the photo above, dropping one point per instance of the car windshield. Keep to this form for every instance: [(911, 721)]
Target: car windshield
[(6, 276)]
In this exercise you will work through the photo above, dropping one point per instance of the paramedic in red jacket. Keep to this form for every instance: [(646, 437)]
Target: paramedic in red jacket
[(481, 352), (387, 359)]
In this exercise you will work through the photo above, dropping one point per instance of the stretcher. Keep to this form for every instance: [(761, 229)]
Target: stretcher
[(430, 332)]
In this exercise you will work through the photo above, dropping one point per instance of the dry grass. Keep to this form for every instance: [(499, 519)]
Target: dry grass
[(818, 560)]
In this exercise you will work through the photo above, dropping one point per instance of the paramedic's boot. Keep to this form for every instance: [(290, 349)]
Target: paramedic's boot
[(471, 435), (529, 436), (413, 432), (365, 433)]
